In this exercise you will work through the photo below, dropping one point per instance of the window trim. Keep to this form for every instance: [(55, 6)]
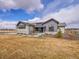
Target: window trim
[(51, 29)]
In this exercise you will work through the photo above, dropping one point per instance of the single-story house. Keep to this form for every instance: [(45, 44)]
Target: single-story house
[(50, 26)]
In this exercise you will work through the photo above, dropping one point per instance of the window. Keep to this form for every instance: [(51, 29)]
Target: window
[(39, 29), (36, 29), (51, 28), (21, 26)]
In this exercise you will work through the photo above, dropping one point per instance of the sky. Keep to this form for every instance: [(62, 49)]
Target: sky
[(12, 11)]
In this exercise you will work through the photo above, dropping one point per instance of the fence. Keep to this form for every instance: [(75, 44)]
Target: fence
[(7, 31), (72, 33)]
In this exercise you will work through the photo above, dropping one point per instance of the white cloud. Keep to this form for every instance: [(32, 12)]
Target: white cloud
[(68, 15), (7, 4), (29, 5), (35, 19), (56, 5)]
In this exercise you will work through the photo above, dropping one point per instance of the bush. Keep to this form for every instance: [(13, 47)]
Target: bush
[(59, 34)]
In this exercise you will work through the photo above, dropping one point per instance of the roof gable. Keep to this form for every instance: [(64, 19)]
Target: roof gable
[(62, 24), (28, 23), (24, 24), (51, 20), (20, 23)]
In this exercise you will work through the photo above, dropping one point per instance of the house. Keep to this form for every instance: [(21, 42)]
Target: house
[(50, 26)]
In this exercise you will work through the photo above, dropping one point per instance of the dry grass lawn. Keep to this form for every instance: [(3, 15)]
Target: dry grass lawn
[(22, 47)]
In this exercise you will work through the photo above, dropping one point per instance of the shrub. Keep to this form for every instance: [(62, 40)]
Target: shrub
[(59, 34)]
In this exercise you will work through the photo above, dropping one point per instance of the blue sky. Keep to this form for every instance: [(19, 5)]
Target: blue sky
[(61, 10)]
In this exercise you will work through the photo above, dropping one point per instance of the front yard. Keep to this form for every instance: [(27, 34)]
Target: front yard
[(23, 47)]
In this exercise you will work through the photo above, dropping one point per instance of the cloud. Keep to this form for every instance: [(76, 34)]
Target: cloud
[(56, 5), (7, 4), (36, 19), (68, 15), (29, 5)]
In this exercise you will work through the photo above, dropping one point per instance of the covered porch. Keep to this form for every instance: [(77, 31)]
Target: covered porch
[(40, 29)]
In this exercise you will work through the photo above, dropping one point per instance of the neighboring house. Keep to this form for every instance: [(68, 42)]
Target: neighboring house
[(50, 26)]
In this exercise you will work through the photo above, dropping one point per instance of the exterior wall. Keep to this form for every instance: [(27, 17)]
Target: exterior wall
[(49, 24), (27, 30), (23, 31), (31, 30)]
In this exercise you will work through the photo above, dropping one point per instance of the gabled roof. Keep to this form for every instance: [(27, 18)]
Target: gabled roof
[(43, 21), (24, 23), (51, 20), (61, 24), (38, 22), (20, 22)]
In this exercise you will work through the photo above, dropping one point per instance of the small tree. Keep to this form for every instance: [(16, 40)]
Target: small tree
[(59, 34)]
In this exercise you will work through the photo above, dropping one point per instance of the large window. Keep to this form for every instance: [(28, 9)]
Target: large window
[(39, 29), (22, 26), (51, 28)]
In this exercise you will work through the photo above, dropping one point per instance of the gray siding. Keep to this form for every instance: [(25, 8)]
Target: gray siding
[(31, 29), (23, 31), (49, 24), (27, 30)]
